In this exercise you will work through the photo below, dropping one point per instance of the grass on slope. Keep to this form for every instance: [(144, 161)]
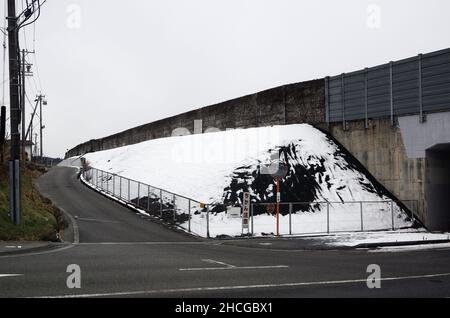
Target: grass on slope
[(41, 221)]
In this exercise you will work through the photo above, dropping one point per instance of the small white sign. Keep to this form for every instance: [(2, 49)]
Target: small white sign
[(234, 212)]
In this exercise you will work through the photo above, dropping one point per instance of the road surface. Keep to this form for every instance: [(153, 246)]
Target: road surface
[(120, 254)]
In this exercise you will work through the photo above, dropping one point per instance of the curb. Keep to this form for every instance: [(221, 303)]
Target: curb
[(47, 247)]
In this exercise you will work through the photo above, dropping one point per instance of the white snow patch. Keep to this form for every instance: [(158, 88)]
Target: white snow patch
[(201, 166), (408, 235)]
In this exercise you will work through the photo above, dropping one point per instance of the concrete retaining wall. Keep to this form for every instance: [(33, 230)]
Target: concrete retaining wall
[(295, 103), (381, 150)]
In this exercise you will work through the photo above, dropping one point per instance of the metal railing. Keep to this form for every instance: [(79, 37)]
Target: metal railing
[(299, 218), (296, 218), (168, 206)]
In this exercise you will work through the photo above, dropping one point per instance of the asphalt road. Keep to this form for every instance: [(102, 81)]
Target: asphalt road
[(120, 254)]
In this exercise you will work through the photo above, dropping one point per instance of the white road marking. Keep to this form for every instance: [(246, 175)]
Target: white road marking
[(10, 275), (227, 266), (97, 220), (222, 288), (217, 262), (234, 267), (63, 248)]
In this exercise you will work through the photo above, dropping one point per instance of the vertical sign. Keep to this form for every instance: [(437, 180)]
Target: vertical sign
[(245, 211)]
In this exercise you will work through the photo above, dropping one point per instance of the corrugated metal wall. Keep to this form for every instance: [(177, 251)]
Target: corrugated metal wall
[(415, 85)]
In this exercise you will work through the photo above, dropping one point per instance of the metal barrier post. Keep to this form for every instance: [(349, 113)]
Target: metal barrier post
[(189, 221), (120, 187), (251, 211), (128, 190), (362, 222), (207, 221), (139, 194), (107, 182), (392, 213), (328, 217), (290, 218), (160, 203), (114, 185), (148, 199), (174, 209)]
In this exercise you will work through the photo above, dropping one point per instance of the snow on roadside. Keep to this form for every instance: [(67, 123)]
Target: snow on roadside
[(400, 236), (409, 248), (215, 168)]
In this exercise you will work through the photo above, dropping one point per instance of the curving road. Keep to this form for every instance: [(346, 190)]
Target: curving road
[(122, 254)]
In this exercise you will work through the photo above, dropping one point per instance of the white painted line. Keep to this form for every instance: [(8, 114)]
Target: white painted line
[(222, 288), (227, 266), (63, 248), (10, 275), (234, 267), (97, 220), (217, 262)]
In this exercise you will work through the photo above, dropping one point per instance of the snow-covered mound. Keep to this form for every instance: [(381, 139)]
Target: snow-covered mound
[(216, 168)]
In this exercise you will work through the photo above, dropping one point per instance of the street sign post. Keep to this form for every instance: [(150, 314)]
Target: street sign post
[(245, 212)]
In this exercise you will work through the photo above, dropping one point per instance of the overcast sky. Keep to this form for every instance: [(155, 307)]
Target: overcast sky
[(109, 65)]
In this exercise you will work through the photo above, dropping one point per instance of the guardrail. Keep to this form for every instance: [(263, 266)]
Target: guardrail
[(296, 217)]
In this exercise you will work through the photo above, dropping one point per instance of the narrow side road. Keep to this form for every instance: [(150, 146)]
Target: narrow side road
[(100, 219)]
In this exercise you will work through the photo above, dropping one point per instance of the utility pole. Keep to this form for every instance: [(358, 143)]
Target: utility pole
[(23, 107), (31, 139), (41, 127), (2, 131), (14, 165), (35, 144)]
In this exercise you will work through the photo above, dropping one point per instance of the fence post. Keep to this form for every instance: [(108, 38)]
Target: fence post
[(107, 182), (120, 187), (251, 212), (392, 213), (139, 194), (207, 221), (128, 190), (328, 217), (114, 185), (290, 218), (174, 210), (362, 220), (102, 178), (189, 221), (148, 198), (160, 203)]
